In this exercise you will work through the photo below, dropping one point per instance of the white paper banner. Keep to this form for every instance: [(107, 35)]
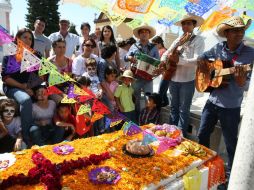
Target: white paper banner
[(9, 49), (29, 60)]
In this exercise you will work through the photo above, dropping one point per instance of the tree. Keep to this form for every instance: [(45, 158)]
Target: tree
[(72, 29), (47, 9)]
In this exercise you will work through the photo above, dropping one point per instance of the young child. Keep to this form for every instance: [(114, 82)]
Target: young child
[(91, 73), (151, 113), (84, 126), (112, 84), (124, 95), (10, 127), (64, 119), (43, 130)]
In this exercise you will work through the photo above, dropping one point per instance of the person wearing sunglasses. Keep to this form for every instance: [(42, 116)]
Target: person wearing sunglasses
[(91, 73), (78, 66)]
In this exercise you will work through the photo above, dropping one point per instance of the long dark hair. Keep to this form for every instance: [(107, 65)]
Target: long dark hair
[(112, 37), (21, 32)]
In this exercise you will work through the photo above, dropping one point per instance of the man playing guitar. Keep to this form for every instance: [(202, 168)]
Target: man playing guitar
[(224, 103), (143, 33), (181, 59)]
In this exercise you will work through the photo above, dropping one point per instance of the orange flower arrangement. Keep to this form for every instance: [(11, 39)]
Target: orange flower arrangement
[(136, 173)]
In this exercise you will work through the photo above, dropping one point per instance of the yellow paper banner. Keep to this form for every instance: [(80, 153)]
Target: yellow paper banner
[(67, 100), (84, 109), (192, 179), (96, 117)]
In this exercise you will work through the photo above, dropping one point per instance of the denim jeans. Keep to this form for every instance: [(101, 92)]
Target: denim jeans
[(163, 88), (42, 135), (25, 102), (139, 84), (181, 94), (229, 120)]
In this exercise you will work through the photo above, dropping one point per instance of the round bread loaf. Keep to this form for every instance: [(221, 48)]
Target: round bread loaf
[(136, 147)]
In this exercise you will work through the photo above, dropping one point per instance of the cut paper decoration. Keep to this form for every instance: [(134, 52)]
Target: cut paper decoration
[(165, 145), (125, 127), (84, 109), (243, 4), (116, 19), (6, 160), (34, 80), (29, 60), (46, 67), (107, 122), (148, 138), (139, 6), (108, 176), (201, 8), (33, 68), (5, 38), (12, 65), (116, 118), (96, 117), (217, 17), (64, 149), (192, 179), (79, 91), (99, 107), (55, 78), (84, 98), (20, 49), (70, 92), (67, 100), (10, 49), (134, 23), (177, 5), (131, 129), (68, 78), (83, 122), (53, 90)]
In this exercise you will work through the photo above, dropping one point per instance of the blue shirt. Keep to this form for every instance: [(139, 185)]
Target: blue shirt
[(101, 67), (230, 96), (149, 49)]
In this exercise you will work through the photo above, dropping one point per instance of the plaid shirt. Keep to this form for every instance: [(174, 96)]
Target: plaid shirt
[(149, 116)]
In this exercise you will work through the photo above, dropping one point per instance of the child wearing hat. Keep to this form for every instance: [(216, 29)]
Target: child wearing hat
[(151, 113), (124, 95)]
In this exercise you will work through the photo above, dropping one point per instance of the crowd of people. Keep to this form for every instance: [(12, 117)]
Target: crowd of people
[(108, 67)]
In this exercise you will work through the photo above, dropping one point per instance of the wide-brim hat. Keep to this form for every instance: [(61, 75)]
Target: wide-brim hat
[(198, 19), (144, 27), (232, 22), (127, 74)]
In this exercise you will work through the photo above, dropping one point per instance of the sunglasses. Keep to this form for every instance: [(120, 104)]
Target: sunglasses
[(89, 45), (91, 68)]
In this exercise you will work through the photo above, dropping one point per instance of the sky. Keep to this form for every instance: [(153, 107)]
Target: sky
[(66, 10)]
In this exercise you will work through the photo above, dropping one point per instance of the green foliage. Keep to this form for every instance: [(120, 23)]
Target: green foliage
[(72, 29), (47, 9)]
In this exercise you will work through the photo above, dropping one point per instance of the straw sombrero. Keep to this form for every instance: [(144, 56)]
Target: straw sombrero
[(232, 22), (127, 74), (146, 27), (198, 19)]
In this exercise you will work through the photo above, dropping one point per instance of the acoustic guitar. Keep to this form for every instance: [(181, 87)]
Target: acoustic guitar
[(170, 67), (213, 77)]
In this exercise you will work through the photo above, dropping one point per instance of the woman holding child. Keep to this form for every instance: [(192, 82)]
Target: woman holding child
[(15, 84)]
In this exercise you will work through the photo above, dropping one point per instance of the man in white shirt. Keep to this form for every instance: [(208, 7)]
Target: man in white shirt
[(41, 43), (72, 40), (182, 86)]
